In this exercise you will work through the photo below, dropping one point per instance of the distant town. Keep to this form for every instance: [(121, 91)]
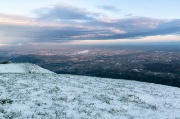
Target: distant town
[(155, 64)]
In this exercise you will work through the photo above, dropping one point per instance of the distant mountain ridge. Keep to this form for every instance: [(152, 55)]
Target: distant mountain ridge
[(22, 68)]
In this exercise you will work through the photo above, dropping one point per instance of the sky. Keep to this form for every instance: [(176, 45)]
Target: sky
[(82, 22)]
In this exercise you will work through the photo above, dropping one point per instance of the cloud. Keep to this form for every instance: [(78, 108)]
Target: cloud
[(65, 12), (109, 8), (152, 29), (63, 23), (129, 15), (159, 39)]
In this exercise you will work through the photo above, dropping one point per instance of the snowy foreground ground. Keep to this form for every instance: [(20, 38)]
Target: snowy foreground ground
[(52, 96)]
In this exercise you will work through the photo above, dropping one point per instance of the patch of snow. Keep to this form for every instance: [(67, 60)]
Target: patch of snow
[(50, 96), (22, 68), (136, 70), (81, 52)]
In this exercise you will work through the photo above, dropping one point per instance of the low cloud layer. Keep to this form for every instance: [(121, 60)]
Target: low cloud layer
[(63, 23)]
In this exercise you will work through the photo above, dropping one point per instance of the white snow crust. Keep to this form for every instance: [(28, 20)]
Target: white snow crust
[(22, 68), (81, 52), (53, 96)]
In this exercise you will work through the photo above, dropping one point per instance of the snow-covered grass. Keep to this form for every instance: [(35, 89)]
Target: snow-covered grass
[(22, 68), (52, 96)]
